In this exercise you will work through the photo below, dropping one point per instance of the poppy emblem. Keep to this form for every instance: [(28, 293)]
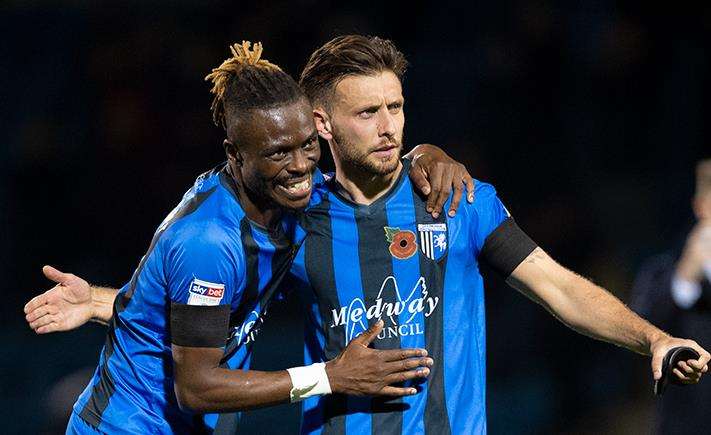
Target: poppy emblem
[(402, 242)]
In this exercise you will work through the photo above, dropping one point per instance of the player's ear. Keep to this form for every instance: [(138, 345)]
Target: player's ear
[(232, 151), (323, 123)]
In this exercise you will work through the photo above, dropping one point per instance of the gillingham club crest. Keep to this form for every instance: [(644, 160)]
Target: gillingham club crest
[(433, 240)]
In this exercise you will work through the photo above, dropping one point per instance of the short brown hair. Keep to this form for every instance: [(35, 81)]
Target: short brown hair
[(346, 56)]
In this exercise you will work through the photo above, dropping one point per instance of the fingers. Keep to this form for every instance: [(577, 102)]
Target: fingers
[(436, 185), (40, 311), (698, 365), (400, 354), (397, 378), (419, 179), (679, 374), (445, 189), (657, 365), (469, 181), (686, 368), (397, 392), (56, 275), (52, 327), (683, 378), (705, 356), (692, 369), (368, 336), (36, 302), (456, 197), (408, 364), (43, 321)]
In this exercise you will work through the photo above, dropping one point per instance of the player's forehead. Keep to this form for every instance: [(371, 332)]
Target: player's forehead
[(291, 124), (366, 90)]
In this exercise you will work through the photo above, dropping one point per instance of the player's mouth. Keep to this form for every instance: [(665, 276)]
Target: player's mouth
[(385, 151), (296, 189)]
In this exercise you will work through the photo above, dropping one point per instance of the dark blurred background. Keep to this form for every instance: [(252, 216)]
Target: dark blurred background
[(587, 117)]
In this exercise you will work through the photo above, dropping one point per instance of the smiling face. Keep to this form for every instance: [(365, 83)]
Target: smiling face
[(276, 154), (367, 121)]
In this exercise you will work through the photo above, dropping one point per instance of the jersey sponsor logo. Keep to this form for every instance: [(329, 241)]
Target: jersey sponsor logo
[(205, 293), (400, 308), (402, 242), (433, 240)]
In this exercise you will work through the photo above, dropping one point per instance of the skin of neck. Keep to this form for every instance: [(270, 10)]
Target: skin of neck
[(259, 210), (363, 187)]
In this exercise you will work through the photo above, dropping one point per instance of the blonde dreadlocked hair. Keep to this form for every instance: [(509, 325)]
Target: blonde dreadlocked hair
[(246, 82)]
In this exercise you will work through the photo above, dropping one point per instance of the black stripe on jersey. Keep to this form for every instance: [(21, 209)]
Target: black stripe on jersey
[(386, 415), (105, 387), (251, 288), (318, 258), (280, 264), (436, 417)]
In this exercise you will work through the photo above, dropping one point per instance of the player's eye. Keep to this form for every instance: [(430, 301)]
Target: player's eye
[(395, 107), (368, 113), (310, 144), (277, 156)]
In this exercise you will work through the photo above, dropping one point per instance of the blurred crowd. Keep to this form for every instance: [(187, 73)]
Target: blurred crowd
[(588, 117)]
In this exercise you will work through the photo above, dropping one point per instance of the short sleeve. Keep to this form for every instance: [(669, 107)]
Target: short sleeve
[(498, 239), (488, 213), (202, 269)]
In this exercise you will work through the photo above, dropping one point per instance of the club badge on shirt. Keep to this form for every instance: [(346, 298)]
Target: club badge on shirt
[(433, 240), (205, 293)]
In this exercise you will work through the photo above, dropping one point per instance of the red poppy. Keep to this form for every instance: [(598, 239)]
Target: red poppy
[(403, 245)]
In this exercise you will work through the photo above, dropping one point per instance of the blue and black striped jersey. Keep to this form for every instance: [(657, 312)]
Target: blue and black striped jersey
[(206, 252), (392, 260)]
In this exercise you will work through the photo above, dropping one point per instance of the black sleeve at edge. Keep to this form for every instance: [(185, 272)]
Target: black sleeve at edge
[(506, 247), (199, 326)]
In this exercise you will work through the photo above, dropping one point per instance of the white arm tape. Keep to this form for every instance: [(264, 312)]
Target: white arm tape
[(308, 381)]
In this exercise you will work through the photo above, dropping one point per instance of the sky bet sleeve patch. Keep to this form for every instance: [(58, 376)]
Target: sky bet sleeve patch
[(205, 293)]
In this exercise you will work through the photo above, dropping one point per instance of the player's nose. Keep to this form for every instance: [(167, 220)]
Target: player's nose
[(386, 124), (300, 163)]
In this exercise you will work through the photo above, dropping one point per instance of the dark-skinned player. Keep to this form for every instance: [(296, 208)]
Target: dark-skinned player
[(213, 266)]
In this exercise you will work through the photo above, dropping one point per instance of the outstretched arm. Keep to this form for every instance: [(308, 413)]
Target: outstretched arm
[(69, 304), (201, 385), (591, 310)]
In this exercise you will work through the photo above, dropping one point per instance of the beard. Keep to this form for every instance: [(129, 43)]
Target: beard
[(350, 154)]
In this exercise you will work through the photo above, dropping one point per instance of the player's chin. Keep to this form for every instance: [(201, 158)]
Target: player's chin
[(290, 201), (385, 166)]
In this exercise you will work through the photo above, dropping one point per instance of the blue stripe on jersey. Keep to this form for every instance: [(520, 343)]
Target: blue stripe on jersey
[(435, 415), (311, 412), (465, 380), (409, 285), (350, 294)]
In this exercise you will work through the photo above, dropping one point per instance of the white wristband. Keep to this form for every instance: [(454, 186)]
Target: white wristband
[(308, 381)]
